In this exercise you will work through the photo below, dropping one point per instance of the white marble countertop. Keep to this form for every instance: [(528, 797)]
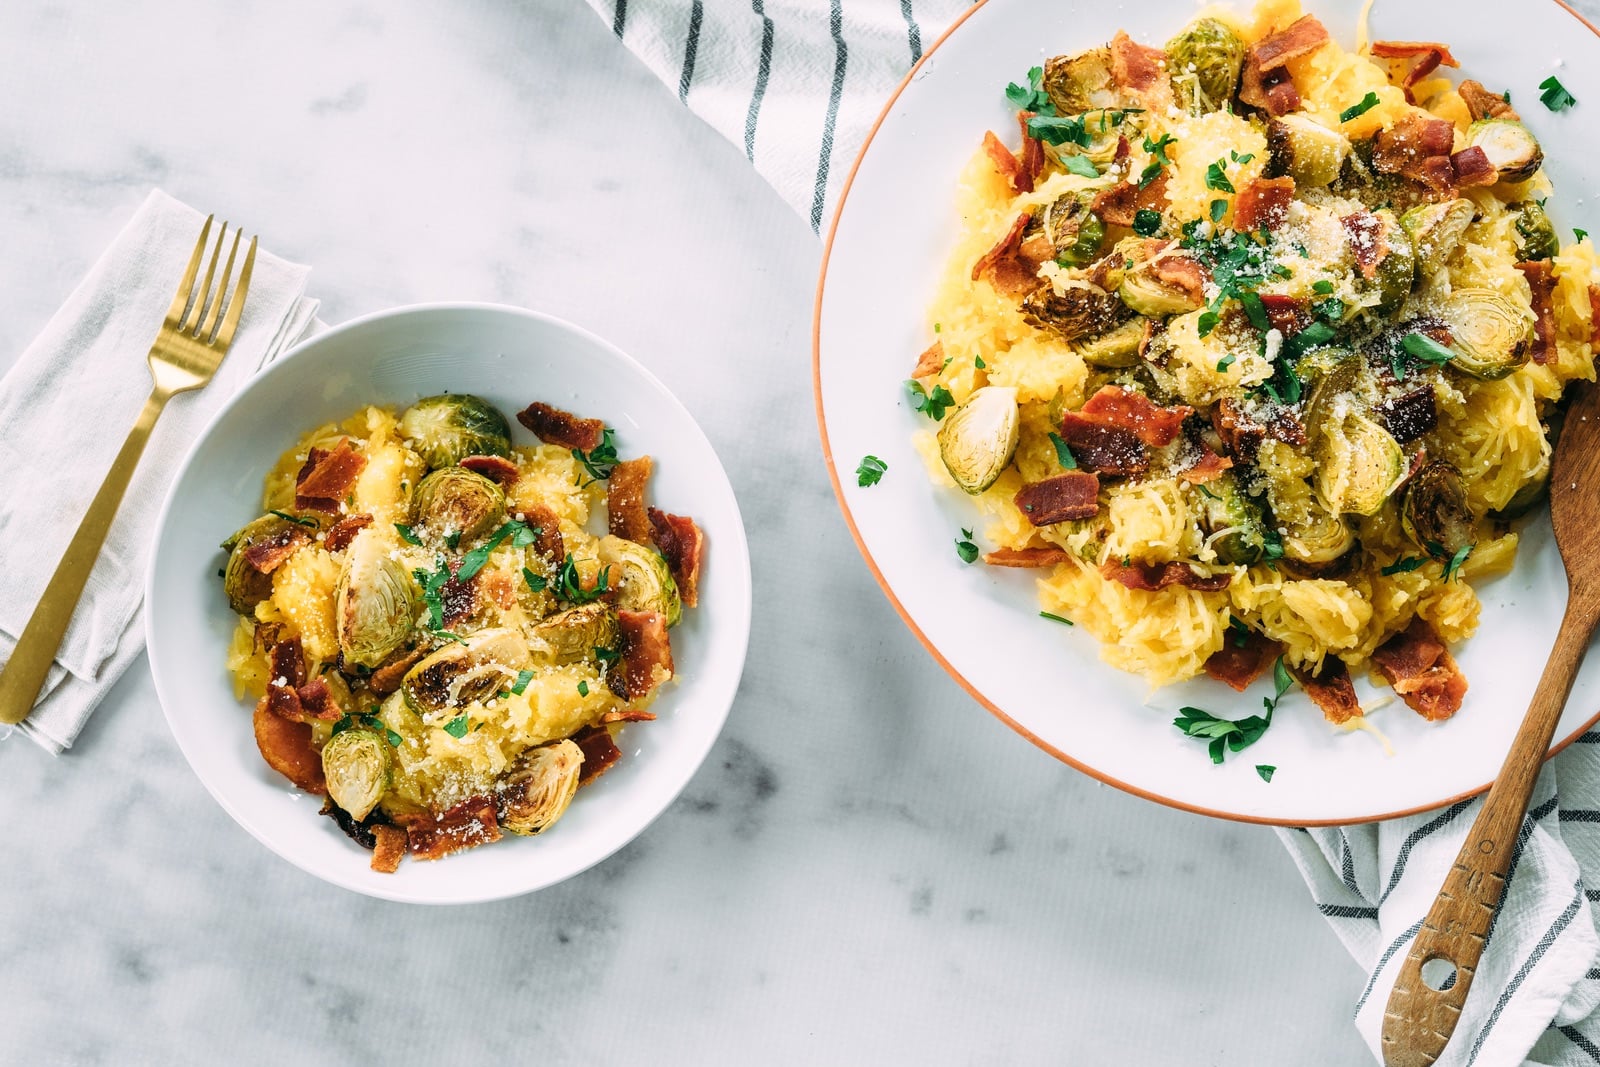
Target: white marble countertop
[(869, 868)]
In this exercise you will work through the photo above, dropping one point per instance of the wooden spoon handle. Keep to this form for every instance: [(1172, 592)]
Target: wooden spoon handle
[(1418, 1021)]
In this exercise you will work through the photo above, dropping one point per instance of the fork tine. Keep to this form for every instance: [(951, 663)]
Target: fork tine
[(186, 287), (236, 303), (208, 325), (203, 296)]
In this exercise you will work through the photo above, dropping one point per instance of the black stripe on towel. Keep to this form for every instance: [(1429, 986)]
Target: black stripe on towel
[(1383, 961), (841, 55), (1574, 1035), (762, 73), (1580, 815), (1347, 911), (1444, 819), (696, 14), (1528, 965), (619, 20), (912, 29), (1347, 864), (1589, 737), (1594, 972)]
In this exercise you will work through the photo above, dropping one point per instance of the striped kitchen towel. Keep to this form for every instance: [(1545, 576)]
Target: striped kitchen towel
[(797, 84)]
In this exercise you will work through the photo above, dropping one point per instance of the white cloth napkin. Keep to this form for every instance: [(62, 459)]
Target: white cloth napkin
[(65, 408), (797, 84)]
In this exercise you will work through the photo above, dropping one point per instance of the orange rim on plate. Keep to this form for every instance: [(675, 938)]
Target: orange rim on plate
[(905, 617)]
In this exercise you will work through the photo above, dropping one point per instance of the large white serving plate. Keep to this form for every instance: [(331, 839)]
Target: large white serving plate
[(511, 358), (891, 235)]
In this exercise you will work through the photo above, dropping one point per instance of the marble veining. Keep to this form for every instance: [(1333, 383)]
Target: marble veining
[(868, 868)]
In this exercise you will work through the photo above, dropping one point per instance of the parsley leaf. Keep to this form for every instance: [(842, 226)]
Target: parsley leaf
[(1255, 309), (1159, 148), (1146, 222), (1554, 95), (602, 460), (1451, 568), (1033, 97), (407, 534), (583, 689), (432, 584), (1322, 286), (1151, 172), (1267, 770), (1578, 235), (536, 582), (1217, 178), (1064, 454), (521, 684), (1401, 566), (1425, 348), (1219, 208), (965, 548), (473, 561), (1230, 735), (1056, 130), (931, 404), (1366, 104), (1206, 323), (1241, 632), (1082, 166), (1225, 362), (457, 727), (569, 583), (977, 361), (1055, 618), (870, 472), (297, 520)]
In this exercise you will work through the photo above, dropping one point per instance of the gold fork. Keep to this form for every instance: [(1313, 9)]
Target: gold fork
[(194, 337)]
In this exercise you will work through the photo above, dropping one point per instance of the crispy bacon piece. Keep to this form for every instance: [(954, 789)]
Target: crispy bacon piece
[(267, 554), (1120, 203), (1417, 148), (498, 469), (1483, 104), (1064, 497), (1301, 37), (1287, 314), (1419, 459), (1031, 163), (625, 500), (458, 599), (1004, 162), (1272, 91), (1208, 468), (1241, 435), (627, 715), (287, 748), (1005, 248), (1265, 81), (1182, 272), (1368, 244), (1102, 449), (467, 825), (284, 702), (599, 752), (1422, 671), (1123, 151), (1427, 56), (387, 678), (1026, 557), (556, 427), (327, 477), (547, 532), (1263, 202), (287, 663), (646, 654), (1153, 577), (684, 547), (341, 533), (1004, 265), (1542, 283), (1241, 660), (316, 700), (1472, 167), (1128, 409), (1409, 415), (931, 361), (388, 848), (1330, 689), (1153, 328), (1594, 314), (1134, 66)]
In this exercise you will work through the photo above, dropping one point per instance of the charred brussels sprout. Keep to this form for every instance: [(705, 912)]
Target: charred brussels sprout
[(465, 672), (1234, 519), (535, 790), (446, 429), (1306, 151), (1320, 539), (1535, 231), (573, 635), (1080, 82), (1073, 315), (1397, 270), (1073, 230), (1489, 334), (357, 763), (1514, 151), (241, 581), (642, 578), (375, 602), (977, 442), (1116, 349), (1435, 513), (1359, 464), (1212, 55), (1435, 231), (1147, 294), (457, 502)]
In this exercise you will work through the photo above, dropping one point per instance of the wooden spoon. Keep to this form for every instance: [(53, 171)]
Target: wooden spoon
[(1419, 1020)]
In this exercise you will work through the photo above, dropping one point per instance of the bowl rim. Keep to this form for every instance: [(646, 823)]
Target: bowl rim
[(738, 549), (905, 617)]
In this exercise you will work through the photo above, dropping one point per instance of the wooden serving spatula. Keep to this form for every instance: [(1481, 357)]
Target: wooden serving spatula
[(1420, 1018)]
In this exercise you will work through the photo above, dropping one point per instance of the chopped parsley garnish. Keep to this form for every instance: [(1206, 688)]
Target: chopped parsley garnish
[(1217, 178), (1366, 104), (1451, 568), (446, 635), (1421, 346), (1578, 235), (1159, 148), (473, 561), (931, 404), (870, 471), (1064, 454), (296, 519), (371, 721), (569, 583), (1054, 618), (1255, 309), (1032, 97), (1322, 286), (1219, 208), (1206, 323), (521, 684), (1315, 334), (602, 460), (583, 689), (1271, 546), (536, 582), (1330, 310), (1082, 166), (1267, 770), (432, 583), (936, 327), (457, 727), (608, 655), (1554, 95), (1225, 362), (1232, 735), (1239, 631), (977, 361), (965, 548), (1146, 222), (1056, 130), (1151, 172), (452, 540), (1401, 566), (1237, 158), (1284, 386)]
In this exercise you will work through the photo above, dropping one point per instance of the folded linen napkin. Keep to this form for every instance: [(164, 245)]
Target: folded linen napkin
[(79, 386), (797, 83)]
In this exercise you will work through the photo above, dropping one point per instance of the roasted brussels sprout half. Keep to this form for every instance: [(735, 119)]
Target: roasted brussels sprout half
[(1234, 520), (1358, 465), (375, 603), (1435, 513), (1074, 314), (1322, 538), (1073, 230), (446, 429), (977, 442), (535, 790), (1080, 82), (1306, 151), (573, 635), (1514, 151), (1435, 231), (466, 672), (641, 577), (455, 502), (1535, 231), (1115, 349), (1489, 334), (1397, 270), (357, 763), (1146, 294), (241, 581), (1205, 60)]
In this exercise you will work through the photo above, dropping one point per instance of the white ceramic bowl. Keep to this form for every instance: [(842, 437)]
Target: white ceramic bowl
[(510, 357), (982, 623)]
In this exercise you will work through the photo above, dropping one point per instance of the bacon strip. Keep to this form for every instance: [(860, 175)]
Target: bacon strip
[(1428, 56), (1102, 449), (316, 700), (1067, 496), (1481, 103), (287, 748), (327, 477), (599, 752), (1128, 409), (556, 427), (1208, 468), (547, 532), (458, 599), (1153, 577), (1594, 315), (1135, 66), (1265, 81), (1542, 284), (1301, 37), (1368, 244), (1417, 148), (1472, 167), (266, 553), (471, 823), (1026, 557), (1409, 415), (287, 663), (1263, 203), (931, 361), (1120, 203), (1287, 314), (1031, 163), (625, 511), (646, 654), (387, 678), (1004, 266), (627, 715), (388, 848), (284, 702), (341, 533), (1422, 671), (1272, 91), (498, 469), (1330, 689), (1184, 273), (684, 547), (1004, 162), (1239, 664)]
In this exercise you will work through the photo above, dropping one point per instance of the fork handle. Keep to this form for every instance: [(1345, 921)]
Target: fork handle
[(24, 675)]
